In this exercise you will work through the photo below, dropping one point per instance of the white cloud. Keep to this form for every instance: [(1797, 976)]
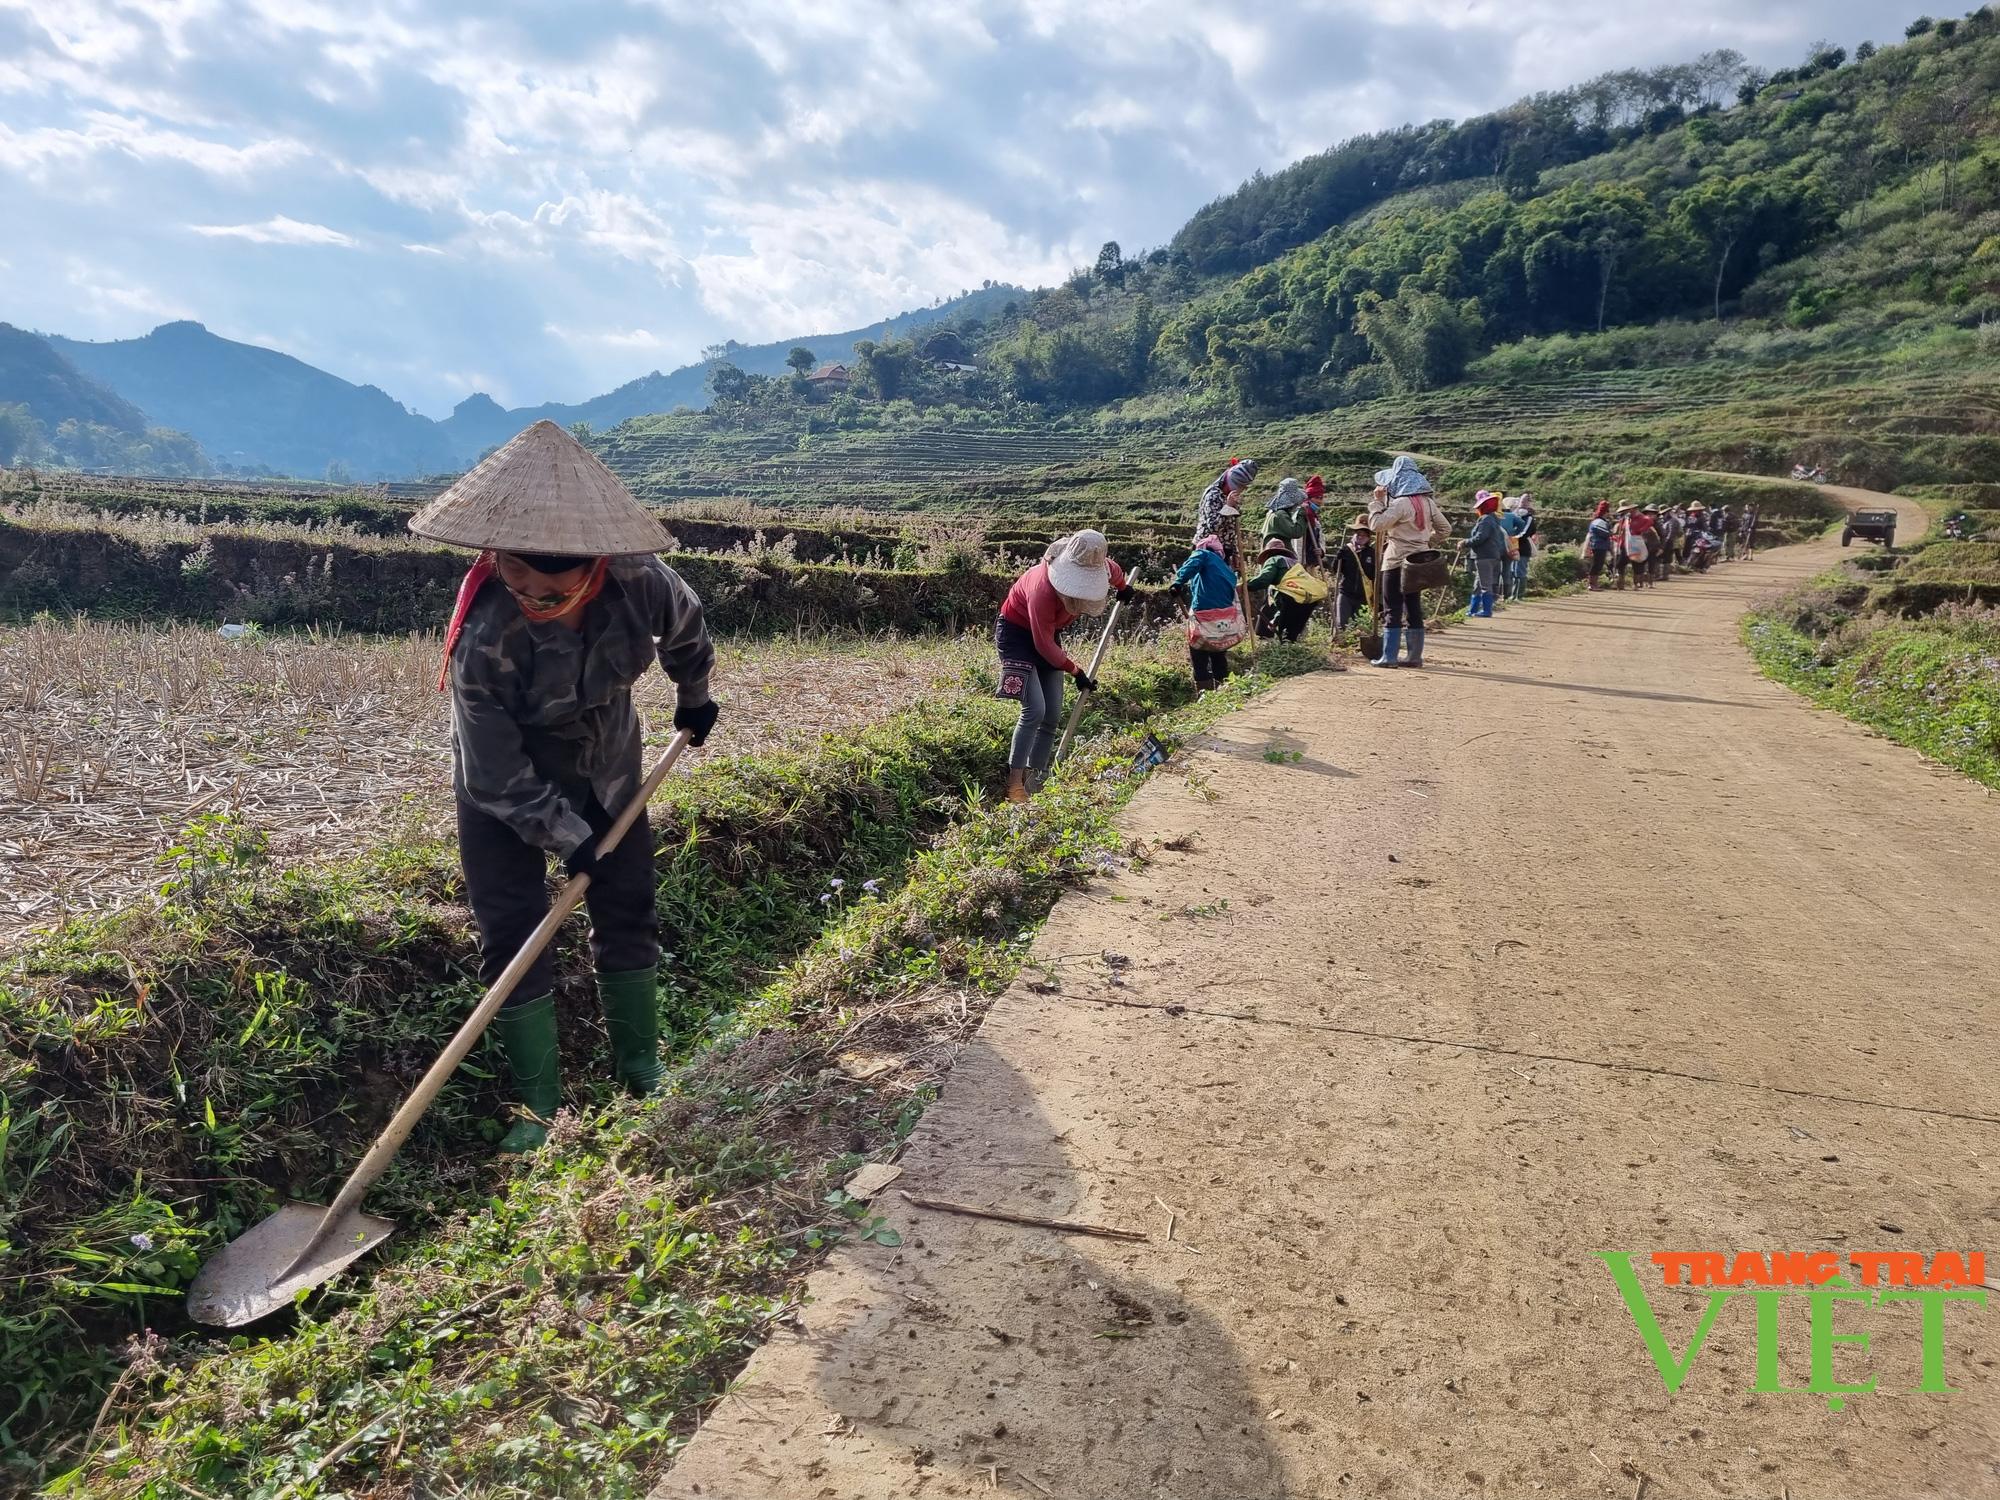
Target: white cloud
[(277, 231), (829, 259), (425, 250), (612, 338), (615, 224), (100, 132), (110, 303)]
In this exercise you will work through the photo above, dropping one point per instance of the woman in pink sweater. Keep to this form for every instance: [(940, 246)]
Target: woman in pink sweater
[(1075, 577)]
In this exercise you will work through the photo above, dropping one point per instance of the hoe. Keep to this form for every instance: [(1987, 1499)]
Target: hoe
[(302, 1244)]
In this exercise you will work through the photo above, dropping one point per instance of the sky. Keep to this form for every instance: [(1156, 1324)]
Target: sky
[(542, 201)]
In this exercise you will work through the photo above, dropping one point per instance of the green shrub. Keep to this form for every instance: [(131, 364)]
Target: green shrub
[(1554, 568)]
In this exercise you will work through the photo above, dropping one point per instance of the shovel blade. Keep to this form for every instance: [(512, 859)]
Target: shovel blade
[(1371, 645), (249, 1278)]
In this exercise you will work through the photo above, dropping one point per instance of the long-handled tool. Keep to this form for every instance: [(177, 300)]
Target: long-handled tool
[(1371, 641), (1096, 660), (302, 1244)]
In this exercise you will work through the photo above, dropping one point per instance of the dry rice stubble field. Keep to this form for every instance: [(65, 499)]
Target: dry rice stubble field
[(115, 737)]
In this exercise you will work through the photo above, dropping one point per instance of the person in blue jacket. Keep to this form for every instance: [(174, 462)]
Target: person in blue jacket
[(1488, 546), (1517, 516), (1211, 584)]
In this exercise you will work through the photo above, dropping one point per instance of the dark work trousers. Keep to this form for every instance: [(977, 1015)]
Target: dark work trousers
[(1400, 608), (1211, 668), (1285, 617), (506, 882)]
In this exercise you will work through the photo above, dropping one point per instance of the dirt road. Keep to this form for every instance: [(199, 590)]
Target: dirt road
[(1586, 939)]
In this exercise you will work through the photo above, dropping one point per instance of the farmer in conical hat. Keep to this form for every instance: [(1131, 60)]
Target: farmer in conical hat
[(565, 609)]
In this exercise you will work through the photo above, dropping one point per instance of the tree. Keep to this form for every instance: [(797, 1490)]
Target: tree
[(583, 432), (801, 360), (1719, 211), (885, 367), (1918, 27), (725, 382), (1424, 339), (1110, 267), (21, 437), (1142, 335), (1753, 83), (1718, 72), (1863, 52)]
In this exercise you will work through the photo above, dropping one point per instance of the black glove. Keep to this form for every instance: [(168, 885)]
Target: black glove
[(697, 721), (582, 860), (1125, 594), (1084, 681)]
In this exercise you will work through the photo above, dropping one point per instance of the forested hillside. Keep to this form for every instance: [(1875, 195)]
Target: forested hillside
[(51, 412), (1273, 213), (256, 408), (1849, 206), (1887, 171)]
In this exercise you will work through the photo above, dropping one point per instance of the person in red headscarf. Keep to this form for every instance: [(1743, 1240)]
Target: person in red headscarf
[(566, 608), (1597, 543), (1312, 546)]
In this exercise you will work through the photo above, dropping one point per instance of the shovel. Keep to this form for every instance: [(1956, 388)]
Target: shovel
[(302, 1244), (1371, 642), (1096, 659)]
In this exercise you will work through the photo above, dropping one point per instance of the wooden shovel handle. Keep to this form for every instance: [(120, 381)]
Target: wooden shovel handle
[(1096, 660), (390, 1141)]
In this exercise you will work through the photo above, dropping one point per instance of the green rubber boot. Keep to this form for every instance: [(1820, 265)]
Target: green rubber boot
[(632, 1016), (528, 1038)]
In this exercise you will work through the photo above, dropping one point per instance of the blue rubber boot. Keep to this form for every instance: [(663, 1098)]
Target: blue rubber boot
[(1482, 605), (1416, 657), (1392, 643)]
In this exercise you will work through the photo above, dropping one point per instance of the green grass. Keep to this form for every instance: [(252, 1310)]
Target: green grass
[(171, 1074), (562, 1333), (1931, 682)]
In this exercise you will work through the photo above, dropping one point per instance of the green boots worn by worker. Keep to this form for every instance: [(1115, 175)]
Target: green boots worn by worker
[(632, 1016), (528, 1038), (527, 1035)]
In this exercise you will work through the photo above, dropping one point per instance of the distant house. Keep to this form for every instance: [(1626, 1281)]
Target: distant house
[(830, 377), (960, 367)]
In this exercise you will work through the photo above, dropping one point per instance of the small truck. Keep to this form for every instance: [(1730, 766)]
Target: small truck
[(1870, 525)]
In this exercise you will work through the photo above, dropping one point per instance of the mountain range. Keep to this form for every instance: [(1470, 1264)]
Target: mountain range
[(262, 411)]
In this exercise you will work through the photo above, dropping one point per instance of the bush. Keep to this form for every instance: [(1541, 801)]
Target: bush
[(1553, 568)]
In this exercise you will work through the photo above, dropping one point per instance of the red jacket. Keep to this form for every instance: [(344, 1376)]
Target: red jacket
[(1035, 606)]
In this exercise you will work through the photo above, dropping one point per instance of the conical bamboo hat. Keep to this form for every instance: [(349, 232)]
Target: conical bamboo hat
[(542, 492)]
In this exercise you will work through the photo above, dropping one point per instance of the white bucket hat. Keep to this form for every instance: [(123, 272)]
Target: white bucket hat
[(1080, 567), (542, 492)]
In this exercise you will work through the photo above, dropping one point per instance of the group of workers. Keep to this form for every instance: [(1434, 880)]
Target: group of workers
[(1645, 541), (568, 605), (1401, 529)]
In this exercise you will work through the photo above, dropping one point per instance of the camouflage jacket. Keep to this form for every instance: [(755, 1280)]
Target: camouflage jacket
[(542, 715)]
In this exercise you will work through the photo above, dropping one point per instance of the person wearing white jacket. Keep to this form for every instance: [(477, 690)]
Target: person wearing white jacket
[(1405, 518)]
